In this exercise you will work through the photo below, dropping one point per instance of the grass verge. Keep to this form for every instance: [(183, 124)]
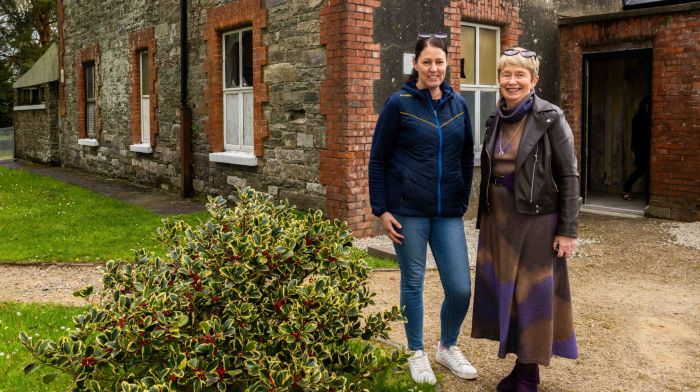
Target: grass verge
[(48, 220), (39, 321)]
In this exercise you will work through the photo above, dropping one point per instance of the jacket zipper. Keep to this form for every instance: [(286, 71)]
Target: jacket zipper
[(534, 166), (488, 156), (439, 129)]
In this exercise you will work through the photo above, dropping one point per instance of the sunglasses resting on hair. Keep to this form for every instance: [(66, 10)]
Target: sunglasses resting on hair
[(524, 53), (432, 35)]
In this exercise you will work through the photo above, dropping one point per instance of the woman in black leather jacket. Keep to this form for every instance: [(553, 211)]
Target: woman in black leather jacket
[(528, 209)]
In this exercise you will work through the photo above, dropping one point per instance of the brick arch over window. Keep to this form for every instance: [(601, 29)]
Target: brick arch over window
[(500, 13), (89, 54), (140, 41), (220, 19)]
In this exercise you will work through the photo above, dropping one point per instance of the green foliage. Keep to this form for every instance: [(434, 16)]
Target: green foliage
[(28, 28), (258, 298)]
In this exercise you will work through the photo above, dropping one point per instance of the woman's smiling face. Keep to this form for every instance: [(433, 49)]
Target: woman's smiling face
[(515, 83), (431, 67)]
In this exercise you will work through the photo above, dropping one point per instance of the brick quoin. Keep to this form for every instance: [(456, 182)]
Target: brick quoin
[(89, 54), (675, 101), (353, 63), (503, 14), (226, 17), (139, 41)]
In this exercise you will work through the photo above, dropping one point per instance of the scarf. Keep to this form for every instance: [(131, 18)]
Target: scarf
[(516, 114)]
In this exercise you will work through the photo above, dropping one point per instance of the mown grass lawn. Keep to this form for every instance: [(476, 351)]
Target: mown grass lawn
[(42, 219), (40, 322)]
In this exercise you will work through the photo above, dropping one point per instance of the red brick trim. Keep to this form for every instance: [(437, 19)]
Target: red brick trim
[(61, 53), (674, 177), (346, 101), (139, 41), (504, 14), (220, 19), (89, 54)]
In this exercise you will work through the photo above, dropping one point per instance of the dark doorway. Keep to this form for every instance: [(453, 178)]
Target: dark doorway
[(614, 84)]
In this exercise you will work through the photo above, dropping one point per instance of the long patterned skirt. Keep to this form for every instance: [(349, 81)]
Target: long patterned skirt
[(521, 293)]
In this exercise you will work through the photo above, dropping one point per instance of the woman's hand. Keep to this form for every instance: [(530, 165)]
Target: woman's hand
[(390, 224), (564, 246)]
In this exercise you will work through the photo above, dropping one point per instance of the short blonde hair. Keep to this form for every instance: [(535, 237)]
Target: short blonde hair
[(532, 64)]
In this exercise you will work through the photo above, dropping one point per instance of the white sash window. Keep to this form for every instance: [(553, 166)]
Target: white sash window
[(238, 90)]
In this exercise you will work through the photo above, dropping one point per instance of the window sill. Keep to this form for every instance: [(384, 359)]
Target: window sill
[(143, 148), (88, 142), (29, 107), (234, 158)]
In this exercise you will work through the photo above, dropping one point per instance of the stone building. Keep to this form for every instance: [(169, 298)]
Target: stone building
[(36, 111), (283, 95)]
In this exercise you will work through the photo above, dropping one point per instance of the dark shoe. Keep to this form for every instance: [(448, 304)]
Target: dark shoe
[(528, 377), (627, 196), (508, 383)]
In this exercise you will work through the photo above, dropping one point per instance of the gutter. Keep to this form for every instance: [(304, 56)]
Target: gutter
[(184, 110)]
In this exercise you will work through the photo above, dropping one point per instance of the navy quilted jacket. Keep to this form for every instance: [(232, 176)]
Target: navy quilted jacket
[(422, 157)]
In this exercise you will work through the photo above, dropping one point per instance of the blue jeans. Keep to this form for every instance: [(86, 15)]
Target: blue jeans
[(449, 246)]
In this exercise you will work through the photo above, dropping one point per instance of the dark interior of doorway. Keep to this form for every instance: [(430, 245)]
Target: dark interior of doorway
[(614, 84)]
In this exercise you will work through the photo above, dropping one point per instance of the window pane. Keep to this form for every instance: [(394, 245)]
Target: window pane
[(232, 132), (248, 119), (488, 106), (469, 96), (487, 56), (467, 57), (89, 81), (231, 60), (90, 119), (145, 86), (247, 80), (145, 121)]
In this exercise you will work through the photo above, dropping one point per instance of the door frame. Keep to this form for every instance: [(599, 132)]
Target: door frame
[(586, 106)]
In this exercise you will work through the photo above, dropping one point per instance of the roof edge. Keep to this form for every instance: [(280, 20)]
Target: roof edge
[(667, 9)]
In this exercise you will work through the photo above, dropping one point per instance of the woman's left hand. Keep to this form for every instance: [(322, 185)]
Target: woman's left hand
[(564, 246)]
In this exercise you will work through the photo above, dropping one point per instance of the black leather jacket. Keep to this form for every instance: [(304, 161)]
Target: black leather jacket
[(546, 176)]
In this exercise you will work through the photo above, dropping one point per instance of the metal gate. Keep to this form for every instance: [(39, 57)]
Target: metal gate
[(7, 143)]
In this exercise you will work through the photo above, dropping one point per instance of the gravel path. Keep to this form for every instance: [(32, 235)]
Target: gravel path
[(634, 289)]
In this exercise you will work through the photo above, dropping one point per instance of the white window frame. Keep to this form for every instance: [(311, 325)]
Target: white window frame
[(477, 87), (145, 100), (90, 102), (240, 91)]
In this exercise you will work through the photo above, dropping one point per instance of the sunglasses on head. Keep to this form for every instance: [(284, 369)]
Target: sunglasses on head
[(432, 35), (524, 53)]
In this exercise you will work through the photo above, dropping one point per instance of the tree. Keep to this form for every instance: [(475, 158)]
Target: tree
[(28, 29)]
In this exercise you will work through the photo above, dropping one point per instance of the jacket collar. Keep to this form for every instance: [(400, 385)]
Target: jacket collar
[(540, 118), (424, 94)]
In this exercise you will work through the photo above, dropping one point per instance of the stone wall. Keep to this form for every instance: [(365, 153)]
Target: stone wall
[(36, 130), (287, 98), (86, 24)]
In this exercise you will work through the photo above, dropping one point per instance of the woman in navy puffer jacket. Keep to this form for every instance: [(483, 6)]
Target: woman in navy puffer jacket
[(420, 175)]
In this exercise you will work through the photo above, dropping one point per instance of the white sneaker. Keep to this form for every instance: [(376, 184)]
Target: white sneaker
[(453, 359), (420, 368)]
